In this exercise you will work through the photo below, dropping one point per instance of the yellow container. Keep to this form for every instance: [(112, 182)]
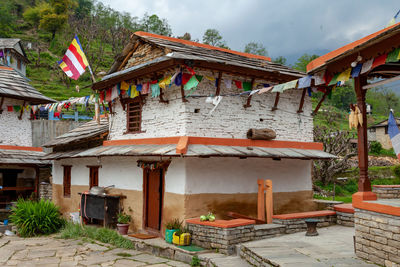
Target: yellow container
[(184, 240), (175, 239)]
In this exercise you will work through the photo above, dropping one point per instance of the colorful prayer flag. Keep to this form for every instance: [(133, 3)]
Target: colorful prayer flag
[(394, 134), (246, 86), (367, 66), (334, 80), (193, 82), (155, 90), (238, 84), (74, 61), (356, 70), (344, 76), (305, 82), (379, 61), (393, 56)]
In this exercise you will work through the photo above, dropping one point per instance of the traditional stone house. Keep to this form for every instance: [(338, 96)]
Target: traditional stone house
[(12, 54), (379, 133), (21, 165), (176, 153)]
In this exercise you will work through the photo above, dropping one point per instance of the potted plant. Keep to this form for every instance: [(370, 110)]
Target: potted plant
[(182, 237), (170, 228), (123, 223)]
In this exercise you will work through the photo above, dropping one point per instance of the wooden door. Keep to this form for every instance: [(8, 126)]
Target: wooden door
[(153, 198)]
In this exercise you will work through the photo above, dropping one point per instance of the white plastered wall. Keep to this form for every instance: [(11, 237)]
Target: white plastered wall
[(229, 120), (234, 175), (14, 131)]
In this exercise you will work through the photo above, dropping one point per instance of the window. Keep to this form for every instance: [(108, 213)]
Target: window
[(93, 176), (67, 181), (19, 64), (133, 116), (386, 129)]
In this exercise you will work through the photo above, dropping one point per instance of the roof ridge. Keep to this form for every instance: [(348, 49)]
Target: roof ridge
[(191, 43)]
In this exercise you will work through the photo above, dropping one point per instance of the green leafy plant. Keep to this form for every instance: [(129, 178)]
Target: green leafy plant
[(396, 171), (195, 261), (173, 224), (124, 218), (375, 147), (34, 218)]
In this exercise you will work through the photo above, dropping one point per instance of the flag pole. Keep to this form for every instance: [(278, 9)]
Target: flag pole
[(96, 103)]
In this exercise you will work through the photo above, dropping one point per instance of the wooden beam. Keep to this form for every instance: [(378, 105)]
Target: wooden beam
[(37, 172), (302, 101), (22, 111), (371, 85), (218, 91), (248, 103), (110, 107), (320, 102), (275, 107), (183, 94), (364, 184), (129, 55)]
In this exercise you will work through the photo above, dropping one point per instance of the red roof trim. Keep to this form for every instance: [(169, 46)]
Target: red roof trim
[(323, 59), (5, 68), (27, 148), (186, 42)]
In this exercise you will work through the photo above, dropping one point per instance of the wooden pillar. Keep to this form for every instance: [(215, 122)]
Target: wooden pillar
[(364, 184), (37, 173), (260, 201), (268, 200)]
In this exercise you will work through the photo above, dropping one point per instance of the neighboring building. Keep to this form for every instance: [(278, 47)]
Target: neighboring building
[(379, 132), (174, 156), (12, 54), (21, 166)]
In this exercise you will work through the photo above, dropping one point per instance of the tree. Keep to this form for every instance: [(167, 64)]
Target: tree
[(301, 63), (382, 100), (186, 36), (336, 142), (154, 24), (342, 97), (84, 8), (256, 49), (212, 37), (6, 18), (33, 15), (280, 60)]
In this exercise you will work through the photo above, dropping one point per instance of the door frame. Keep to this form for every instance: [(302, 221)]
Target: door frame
[(163, 165)]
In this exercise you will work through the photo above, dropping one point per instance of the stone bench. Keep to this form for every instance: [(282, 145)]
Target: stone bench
[(386, 191), (344, 214), (295, 222), (225, 235)]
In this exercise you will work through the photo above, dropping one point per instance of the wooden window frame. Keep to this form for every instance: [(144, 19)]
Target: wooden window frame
[(93, 179), (135, 100), (67, 181), (19, 64)]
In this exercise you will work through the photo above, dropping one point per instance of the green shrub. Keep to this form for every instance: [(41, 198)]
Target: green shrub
[(396, 171), (34, 218), (173, 224), (375, 147), (124, 218)]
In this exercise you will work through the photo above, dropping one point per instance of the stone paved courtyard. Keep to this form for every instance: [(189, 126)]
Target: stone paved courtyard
[(50, 251)]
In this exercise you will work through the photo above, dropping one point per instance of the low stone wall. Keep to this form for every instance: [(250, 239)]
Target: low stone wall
[(299, 225), (344, 218), (377, 237), (45, 191), (386, 191), (224, 238)]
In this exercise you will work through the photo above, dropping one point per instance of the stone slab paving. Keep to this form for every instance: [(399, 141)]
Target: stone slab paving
[(333, 247), (51, 251)]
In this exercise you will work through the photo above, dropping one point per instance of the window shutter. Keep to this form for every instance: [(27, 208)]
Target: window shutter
[(94, 176), (67, 181), (134, 117)]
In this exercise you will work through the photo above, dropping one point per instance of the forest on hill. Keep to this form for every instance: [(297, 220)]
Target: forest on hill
[(50, 25)]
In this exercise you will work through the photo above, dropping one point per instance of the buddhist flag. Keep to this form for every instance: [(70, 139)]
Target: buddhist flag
[(74, 61), (394, 134)]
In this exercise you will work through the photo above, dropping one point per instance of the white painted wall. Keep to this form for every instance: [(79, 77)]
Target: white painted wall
[(234, 175), (195, 175), (14, 131), (230, 119), (122, 172)]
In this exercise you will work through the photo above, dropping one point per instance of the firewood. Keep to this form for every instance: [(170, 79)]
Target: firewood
[(261, 134)]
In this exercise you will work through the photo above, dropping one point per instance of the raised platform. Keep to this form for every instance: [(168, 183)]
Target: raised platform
[(344, 214), (295, 222), (386, 191)]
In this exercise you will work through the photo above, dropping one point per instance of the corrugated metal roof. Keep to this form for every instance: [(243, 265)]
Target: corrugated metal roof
[(194, 151), (8, 156), (87, 130), (13, 85)]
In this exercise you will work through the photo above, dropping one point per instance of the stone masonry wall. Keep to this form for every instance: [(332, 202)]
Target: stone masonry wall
[(14, 131), (298, 225), (386, 192), (377, 237), (344, 218), (226, 239), (229, 120)]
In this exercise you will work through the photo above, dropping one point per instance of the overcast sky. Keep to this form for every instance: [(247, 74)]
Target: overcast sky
[(286, 28)]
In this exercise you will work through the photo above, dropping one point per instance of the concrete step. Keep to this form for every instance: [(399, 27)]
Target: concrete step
[(229, 261)]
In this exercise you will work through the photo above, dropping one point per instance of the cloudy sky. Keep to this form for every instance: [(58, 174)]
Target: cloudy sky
[(286, 28)]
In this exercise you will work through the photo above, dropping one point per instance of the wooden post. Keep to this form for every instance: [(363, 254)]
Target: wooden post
[(302, 101), (37, 174), (260, 200), (248, 103), (275, 107), (1, 104), (22, 111), (218, 91), (183, 94), (268, 200), (364, 184), (321, 101)]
